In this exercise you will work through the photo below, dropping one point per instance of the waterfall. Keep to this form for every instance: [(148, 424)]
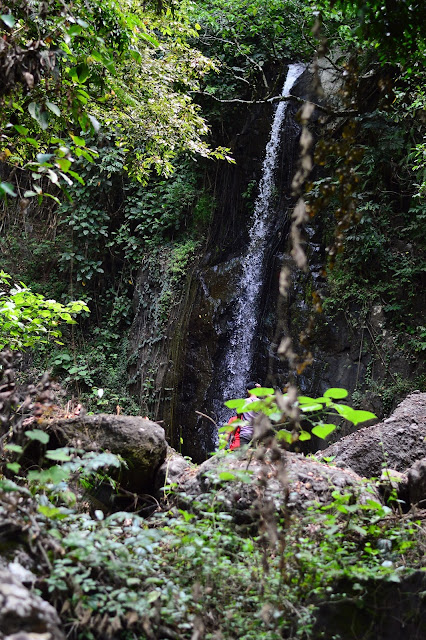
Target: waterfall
[(239, 357)]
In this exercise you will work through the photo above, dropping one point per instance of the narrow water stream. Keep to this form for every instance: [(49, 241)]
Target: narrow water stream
[(237, 365)]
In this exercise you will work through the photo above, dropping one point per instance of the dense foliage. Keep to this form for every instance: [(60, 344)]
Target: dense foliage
[(98, 111), (68, 71), (196, 564)]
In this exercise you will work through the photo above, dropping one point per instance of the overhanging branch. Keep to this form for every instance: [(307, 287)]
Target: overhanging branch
[(320, 107)]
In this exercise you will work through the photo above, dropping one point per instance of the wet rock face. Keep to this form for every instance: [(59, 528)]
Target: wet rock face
[(397, 442), (24, 615), (140, 442)]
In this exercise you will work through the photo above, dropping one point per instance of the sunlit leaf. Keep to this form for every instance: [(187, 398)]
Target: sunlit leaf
[(323, 430), (53, 108), (336, 393)]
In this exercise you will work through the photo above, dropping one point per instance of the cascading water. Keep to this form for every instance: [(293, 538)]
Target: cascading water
[(239, 355)]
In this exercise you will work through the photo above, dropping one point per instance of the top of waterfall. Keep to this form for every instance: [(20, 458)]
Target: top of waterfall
[(294, 71)]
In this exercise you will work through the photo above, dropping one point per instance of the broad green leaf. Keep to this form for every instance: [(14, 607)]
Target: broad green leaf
[(63, 163), (53, 475), (306, 408), (336, 393), (13, 466), (38, 434), (44, 157), (53, 108), (226, 476), (304, 435), (359, 416), (7, 485), (261, 391), (83, 72), (21, 129), (235, 404), (8, 20), (326, 401), (60, 455), (283, 434), (80, 142), (52, 512), (6, 188), (305, 400), (323, 430), (344, 411), (135, 55), (16, 448)]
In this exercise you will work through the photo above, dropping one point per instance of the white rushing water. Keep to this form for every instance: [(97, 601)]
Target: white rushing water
[(239, 356)]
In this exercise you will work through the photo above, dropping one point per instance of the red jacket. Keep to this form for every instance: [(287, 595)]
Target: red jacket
[(234, 439)]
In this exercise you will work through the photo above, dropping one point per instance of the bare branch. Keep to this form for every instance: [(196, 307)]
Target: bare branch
[(234, 43), (320, 107)]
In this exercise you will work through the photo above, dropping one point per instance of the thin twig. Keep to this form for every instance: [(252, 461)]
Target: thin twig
[(203, 415)]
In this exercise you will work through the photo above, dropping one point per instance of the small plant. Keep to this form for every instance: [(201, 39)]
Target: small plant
[(288, 412)]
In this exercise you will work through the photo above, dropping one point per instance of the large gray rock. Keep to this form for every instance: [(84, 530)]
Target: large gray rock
[(295, 482), (396, 443), (24, 614), (139, 441)]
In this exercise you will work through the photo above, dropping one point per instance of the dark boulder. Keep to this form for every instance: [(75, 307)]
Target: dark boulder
[(396, 443), (140, 442)]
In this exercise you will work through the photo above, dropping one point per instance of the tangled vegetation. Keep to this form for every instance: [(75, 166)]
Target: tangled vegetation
[(192, 566)]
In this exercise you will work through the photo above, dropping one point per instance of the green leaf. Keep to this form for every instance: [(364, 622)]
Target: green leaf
[(83, 72), (52, 512), (235, 404), (359, 416), (60, 455), (323, 430), (336, 393), (21, 129), (7, 485), (326, 401), (285, 435), (16, 448), (226, 476), (54, 475), (80, 142), (6, 188), (304, 435), (13, 466), (311, 407), (63, 163), (38, 434), (53, 108), (44, 157), (8, 20), (261, 391)]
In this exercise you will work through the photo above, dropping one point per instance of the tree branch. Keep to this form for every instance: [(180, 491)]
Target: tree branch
[(327, 110), (234, 43)]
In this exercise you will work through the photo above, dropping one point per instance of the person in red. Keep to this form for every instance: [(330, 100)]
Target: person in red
[(243, 434), (234, 436)]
